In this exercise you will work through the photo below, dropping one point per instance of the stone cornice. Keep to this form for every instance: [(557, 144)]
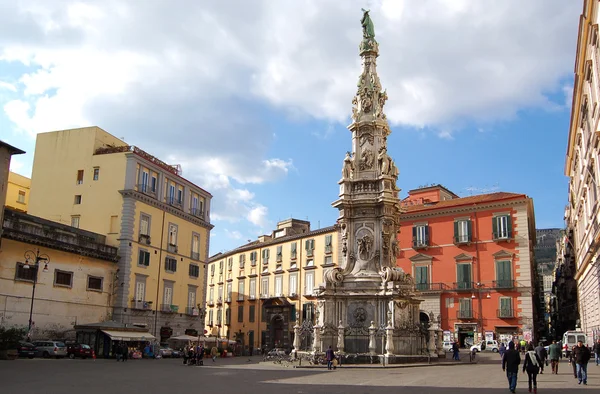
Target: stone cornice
[(165, 207), (475, 207)]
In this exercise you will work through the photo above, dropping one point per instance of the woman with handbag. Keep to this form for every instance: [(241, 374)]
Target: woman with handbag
[(532, 366)]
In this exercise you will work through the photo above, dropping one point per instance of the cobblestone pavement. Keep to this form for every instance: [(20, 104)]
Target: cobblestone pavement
[(241, 375)]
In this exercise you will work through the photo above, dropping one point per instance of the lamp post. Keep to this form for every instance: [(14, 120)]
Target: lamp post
[(478, 287), (32, 261)]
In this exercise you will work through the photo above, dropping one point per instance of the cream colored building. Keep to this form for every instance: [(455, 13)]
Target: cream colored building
[(17, 195), (257, 292), (582, 168), (89, 179)]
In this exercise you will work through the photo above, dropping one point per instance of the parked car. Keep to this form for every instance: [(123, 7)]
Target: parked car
[(79, 350), (176, 353), (26, 349), (165, 352), (447, 346), (490, 346), (49, 349)]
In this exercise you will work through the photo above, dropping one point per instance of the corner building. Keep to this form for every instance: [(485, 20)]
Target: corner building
[(160, 222), (472, 261), (257, 292)]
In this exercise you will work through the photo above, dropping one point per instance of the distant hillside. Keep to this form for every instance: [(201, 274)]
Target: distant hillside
[(545, 249)]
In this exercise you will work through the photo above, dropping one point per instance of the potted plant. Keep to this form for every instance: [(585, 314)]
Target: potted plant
[(9, 342)]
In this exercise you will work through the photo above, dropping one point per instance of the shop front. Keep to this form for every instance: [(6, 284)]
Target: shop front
[(103, 338), (506, 334), (466, 334)]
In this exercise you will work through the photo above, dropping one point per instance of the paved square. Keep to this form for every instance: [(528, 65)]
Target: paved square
[(238, 375)]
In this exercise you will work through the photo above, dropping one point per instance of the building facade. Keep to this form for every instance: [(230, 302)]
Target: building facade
[(17, 193), (89, 179), (472, 261), (6, 152), (562, 304), (257, 292), (582, 169)]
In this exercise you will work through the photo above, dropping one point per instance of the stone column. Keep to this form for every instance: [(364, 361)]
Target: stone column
[(389, 345), (440, 342), (432, 346), (316, 339), (372, 346), (297, 336), (341, 338)]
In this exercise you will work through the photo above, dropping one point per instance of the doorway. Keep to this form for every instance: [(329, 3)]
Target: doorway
[(276, 332)]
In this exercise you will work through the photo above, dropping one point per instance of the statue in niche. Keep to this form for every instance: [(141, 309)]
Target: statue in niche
[(395, 249), (354, 108), (386, 242), (344, 248), (393, 169), (366, 137), (366, 102), (364, 246), (381, 101), (366, 160), (348, 169), (383, 161)]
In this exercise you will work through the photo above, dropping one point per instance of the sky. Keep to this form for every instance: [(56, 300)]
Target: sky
[(253, 98)]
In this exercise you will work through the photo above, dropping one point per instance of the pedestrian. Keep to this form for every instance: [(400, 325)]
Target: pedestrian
[(118, 351), (329, 356), (572, 361), (532, 365), (502, 350), (455, 351), (541, 352), (582, 357), (597, 352), (125, 352), (554, 354), (213, 353), (510, 364), (523, 344)]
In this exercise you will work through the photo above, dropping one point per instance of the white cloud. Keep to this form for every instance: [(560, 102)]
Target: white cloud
[(7, 86), (233, 234), (568, 92), (258, 216)]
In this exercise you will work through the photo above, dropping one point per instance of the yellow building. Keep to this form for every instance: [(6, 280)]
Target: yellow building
[(6, 152), (89, 179), (17, 194), (75, 277), (257, 292)]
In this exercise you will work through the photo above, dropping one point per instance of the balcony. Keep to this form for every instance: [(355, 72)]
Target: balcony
[(141, 305), (192, 311), (210, 303), (210, 323), (426, 287), (146, 189), (252, 297), (195, 256), (219, 301), (505, 313), (144, 239), (197, 212), (174, 202), (501, 236), (465, 314), (504, 284), (171, 248), (466, 286), (420, 244), (168, 308), (240, 297), (228, 299), (462, 239)]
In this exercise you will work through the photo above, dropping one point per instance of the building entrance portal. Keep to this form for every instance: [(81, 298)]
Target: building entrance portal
[(277, 331)]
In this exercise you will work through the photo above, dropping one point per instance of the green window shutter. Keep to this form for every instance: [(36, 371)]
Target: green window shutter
[(509, 225), (293, 313), (495, 228), (426, 235), (414, 231), (456, 233), (312, 244), (141, 258), (294, 247), (147, 259), (459, 273), (328, 240), (306, 244), (469, 230)]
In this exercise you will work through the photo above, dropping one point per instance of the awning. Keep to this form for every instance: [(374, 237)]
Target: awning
[(129, 335), (187, 338)]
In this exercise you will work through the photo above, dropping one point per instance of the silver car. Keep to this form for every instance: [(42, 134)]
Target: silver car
[(49, 349)]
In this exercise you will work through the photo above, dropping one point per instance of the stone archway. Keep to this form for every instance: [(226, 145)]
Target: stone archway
[(277, 331), (424, 320)]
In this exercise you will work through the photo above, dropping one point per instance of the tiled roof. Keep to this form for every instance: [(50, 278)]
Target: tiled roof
[(455, 202)]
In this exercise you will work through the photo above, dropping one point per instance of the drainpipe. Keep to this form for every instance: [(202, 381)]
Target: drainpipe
[(480, 309), (162, 233)]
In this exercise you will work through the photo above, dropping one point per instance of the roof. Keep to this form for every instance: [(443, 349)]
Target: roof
[(432, 187), (257, 244), (12, 149), (455, 202)]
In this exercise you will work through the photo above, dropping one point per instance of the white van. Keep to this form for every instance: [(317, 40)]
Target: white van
[(570, 339)]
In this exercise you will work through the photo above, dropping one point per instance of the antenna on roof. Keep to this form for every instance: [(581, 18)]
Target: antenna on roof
[(318, 224)]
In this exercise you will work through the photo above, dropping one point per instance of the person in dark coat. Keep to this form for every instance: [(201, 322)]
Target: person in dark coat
[(118, 351), (554, 354), (572, 361), (597, 352), (125, 351), (455, 355), (502, 349), (532, 365), (329, 356), (541, 352), (582, 357), (510, 364)]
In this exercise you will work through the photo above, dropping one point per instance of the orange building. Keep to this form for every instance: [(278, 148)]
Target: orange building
[(472, 261)]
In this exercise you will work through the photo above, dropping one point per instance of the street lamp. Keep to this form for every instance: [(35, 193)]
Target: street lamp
[(32, 261)]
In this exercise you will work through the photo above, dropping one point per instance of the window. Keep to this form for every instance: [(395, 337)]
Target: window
[(309, 245), (143, 187), (96, 173), (264, 287), (25, 273), (502, 227), (278, 286), (308, 311), (210, 317), (420, 236), (172, 234), (63, 278), (309, 283), (422, 277), (462, 231), (219, 313), (211, 295), (265, 256), (220, 293), (171, 199), (253, 259), (144, 225), (194, 271), (252, 292), (251, 313), (229, 291), (170, 264), (114, 225), (279, 253), (293, 284), (191, 297), (242, 260), (212, 270), (465, 311), (310, 263), (293, 250), (504, 274), (240, 313), (75, 221), (195, 247), (221, 267), (241, 290), (153, 183), (506, 309), (328, 241), (94, 283), (168, 296), (180, 196), (230, 264), (328, 260), (463, 276), (77, 199), (144, 258), (21, 197), (79, 177), (140, 290)]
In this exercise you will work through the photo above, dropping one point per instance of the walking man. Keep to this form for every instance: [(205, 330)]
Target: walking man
[(597, 352), (554, 354), (510, 364), (582, 357), (329, 356), (542, 355)]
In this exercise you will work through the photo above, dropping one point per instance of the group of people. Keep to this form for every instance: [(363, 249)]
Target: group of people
[(536, 358), (122, 351), (195, 355)]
